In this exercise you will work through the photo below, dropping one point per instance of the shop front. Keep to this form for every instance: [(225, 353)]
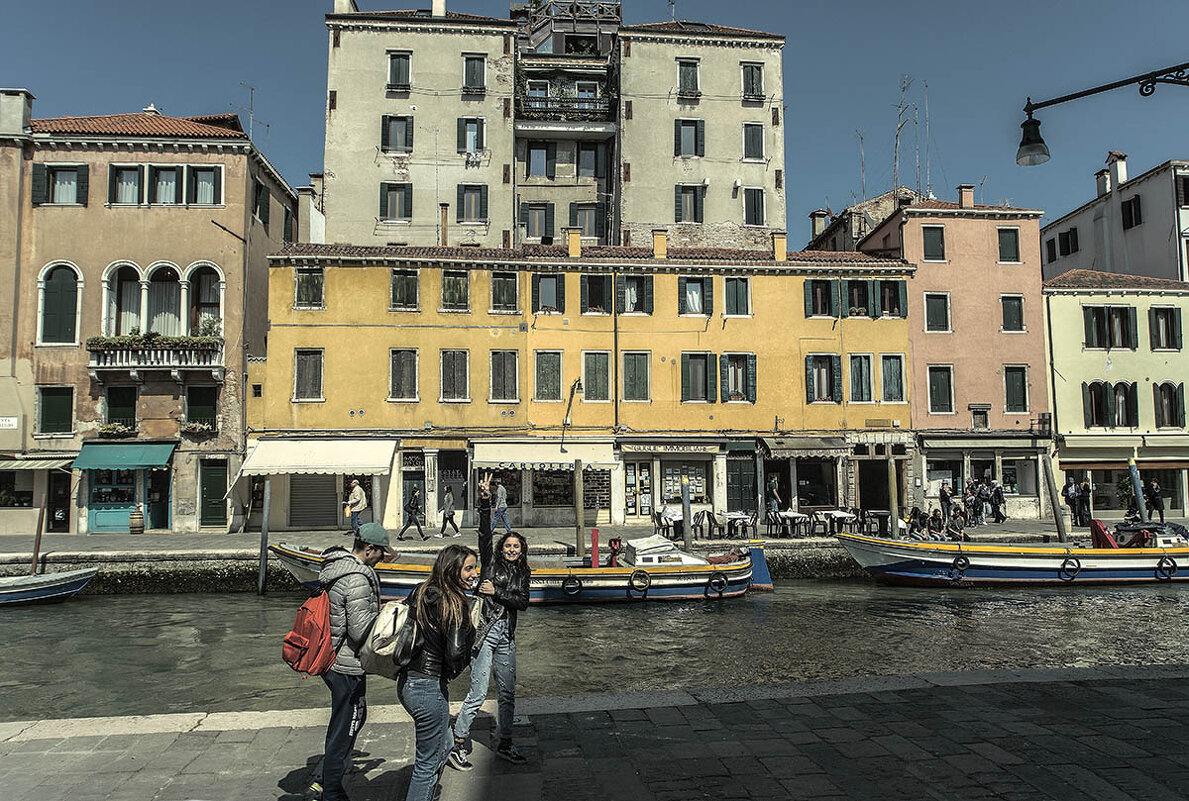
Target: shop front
[(120, 478), (1014, 462), (538, 477), (658, 468), (813, 465), (24, 482), (1103, 462)]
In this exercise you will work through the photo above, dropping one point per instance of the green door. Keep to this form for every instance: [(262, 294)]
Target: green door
[(212, 509), (741, 485)]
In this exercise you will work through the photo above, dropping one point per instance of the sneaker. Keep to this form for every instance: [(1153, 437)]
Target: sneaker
[(458, 759), (456, 534), (509, 753), (437, 536), (314, 792)]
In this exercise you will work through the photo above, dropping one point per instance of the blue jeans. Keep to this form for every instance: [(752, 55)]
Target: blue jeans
[(355, 520), (348, 711), (497, 516), (498, 651), (426, 703)]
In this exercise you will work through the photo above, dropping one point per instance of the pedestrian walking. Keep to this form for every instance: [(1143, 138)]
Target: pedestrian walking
[(773, 492), (946, 496), (998, 503), (354, 592), (413, 515), (1155, 500), (501, 506), (1085, 496), (356, 504), (448, 513), (1071, 492), (441, 608), (505, 593)]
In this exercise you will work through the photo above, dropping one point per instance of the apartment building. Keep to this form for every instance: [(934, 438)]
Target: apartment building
[(421, 367), (1132, 226), (132, 242), (1118, 383)]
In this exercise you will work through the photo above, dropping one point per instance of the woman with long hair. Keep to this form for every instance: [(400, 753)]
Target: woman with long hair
[(504, 590), (442, 610)]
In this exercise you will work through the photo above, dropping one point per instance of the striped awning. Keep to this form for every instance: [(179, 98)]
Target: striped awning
[(271, 457), (35, 464), (804, 447)]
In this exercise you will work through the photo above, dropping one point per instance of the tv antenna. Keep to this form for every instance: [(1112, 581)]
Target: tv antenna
[(252, 112), (673, 10), (862, 166)]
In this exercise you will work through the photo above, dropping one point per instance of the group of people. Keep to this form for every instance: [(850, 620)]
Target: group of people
[(981, 501), (450, 637), (1077, 497), (934, 526), (356, 504)]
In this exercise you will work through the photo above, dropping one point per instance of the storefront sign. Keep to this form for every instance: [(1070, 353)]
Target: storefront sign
[(668, 448), (541, 466), (8, 423), (412, 460)]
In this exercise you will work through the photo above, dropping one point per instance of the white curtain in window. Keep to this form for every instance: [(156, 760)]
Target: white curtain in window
[(207, 288), (1122, 414), (128, 186), (204, 187), (166, 186), (693, 297), (128, 299), (631, 295), (165, 299), (65, 186)]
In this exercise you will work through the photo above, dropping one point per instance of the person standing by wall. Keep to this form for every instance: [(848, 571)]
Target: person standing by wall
[(1155, 500), (1084, 496), (946, 496), (501, 506), (413, 515), (356, 504), (448, 513), (773, 494)]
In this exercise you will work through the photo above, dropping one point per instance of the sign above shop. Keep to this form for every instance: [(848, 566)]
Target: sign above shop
[(539, 466), (667, 447), (412, 460)]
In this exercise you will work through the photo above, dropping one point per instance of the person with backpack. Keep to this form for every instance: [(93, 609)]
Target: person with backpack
[(354, 593), (413, 516), (504, 591), (441, 609)]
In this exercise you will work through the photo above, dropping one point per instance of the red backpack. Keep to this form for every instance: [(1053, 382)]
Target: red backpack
[(308, 647)]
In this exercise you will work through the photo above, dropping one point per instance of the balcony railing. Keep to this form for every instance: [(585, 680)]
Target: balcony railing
[(162, 353), (565, 109)]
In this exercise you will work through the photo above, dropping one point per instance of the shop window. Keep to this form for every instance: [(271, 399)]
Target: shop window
[(553, 488), (113, 486), (943, 470), (816, 483), (699, 481), (16, 488)]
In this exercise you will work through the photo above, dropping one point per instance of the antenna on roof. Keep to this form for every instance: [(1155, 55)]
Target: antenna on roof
[(862, 166), (928, 179), (251, 105), (673, 10)]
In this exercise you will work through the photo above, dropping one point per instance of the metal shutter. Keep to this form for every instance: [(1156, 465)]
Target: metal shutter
[(314, 501)]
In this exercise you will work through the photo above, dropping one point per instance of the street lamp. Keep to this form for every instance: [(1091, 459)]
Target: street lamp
[(1033, 150), (565, 421)]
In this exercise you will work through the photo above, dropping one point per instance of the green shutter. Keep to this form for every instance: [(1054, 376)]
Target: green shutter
[(685, 376), (711, 383), (177, 194), (584, 293), (407, 209), (536, 293), (84, 184), (676, 137), (809, 388), (561, 289), (549, 219), (1176, 328), (40, 192), (111, 184), (601, 220), (385, 142), (1108, 391), (600, 161), (903, 289), (1088, 327), (873, 299), (1158, 407), (483, 202), (1152, 343), (607, 293), (724, 378), (836, 367), (573, 215), (677, 203), (218, 184), (1087, 417), (1133, 405), (524, 217), (1132, 329), (834, 289), (480, 134), (751, 378), (462, 134), (383, 201), (551, 160), (621, 292), (648, 294), (700, 138), (460, 201), (700, 204), (844, 298), (708, 295), (681, 295), (808, 286), (1180, 406)]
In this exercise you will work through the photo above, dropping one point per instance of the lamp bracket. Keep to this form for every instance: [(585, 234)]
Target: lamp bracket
[(1176, 76)]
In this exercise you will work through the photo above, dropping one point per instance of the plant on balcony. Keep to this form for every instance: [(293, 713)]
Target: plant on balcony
[(198, 428), (155, 340), (117, 430)]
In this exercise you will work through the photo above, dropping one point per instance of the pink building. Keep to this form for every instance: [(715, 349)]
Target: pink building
[(980, 398)]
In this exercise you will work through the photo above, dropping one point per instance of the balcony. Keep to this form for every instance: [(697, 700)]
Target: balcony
[(565, 109), (135, 354)]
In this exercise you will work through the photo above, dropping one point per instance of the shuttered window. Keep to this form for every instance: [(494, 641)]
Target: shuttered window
[(1013, 312), (1015, 380), (548, 375), (738, 296), (753, 206), (635, 376), (1009, 245), (474, 74), (596, 294), (472, 203), (937, 312), (892, 378), (455, 375), (596, 368), (753, 141), (399, 70), (59, 305), (396, 201), (404, 290), (823, 378), (738, 377), (941, 389), (503, 292), (308, 288), (634, 294), (753, 81), (396, 134), (403, 374), (202, 405), (56, 410), (307, 384), (860, 378), (689, 138), (456, 295), (121, 405), (505, 385), (698, 377), (933, 240)]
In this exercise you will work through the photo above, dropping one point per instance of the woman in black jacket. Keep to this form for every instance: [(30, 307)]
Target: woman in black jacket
[(442, 611), (413, 515), (504, 590)]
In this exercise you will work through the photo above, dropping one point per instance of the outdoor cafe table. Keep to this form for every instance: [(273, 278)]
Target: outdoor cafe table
[(733, 520), (838, 518), (792, 518)]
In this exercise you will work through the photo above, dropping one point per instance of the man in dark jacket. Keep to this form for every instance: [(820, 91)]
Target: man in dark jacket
[(349, 578)]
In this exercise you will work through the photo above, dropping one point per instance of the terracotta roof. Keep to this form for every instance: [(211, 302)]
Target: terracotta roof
[(422, 14), (695, 28), (141, 124), (1095, 279), (949, 205)]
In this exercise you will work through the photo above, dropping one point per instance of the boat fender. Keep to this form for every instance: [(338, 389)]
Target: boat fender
[(1069, 568), (1166, 568), (717, 582), (961, 562), (571, 585), (640, 581)]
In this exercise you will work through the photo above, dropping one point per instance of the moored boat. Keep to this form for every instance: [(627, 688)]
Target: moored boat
[(44, 587), (652, 568)]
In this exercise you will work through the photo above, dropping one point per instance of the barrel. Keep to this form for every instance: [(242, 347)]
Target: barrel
[(136, 521)]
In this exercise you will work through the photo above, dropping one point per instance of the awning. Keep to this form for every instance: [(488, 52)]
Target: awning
[(799, 447), (985, 444), (542, 455), (34, 464), (273, 457), (123, 456), (1142, 464)]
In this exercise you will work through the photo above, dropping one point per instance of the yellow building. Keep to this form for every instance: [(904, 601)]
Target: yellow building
[(420, 367)]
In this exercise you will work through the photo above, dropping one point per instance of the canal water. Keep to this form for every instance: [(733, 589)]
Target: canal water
[(135, 655)]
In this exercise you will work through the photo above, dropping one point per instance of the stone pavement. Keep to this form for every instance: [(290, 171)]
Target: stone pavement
[(1108, 734)]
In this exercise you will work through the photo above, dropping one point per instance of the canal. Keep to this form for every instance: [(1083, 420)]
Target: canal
[(135, 655)]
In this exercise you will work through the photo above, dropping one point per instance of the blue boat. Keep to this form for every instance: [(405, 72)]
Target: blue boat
[(652, 569), (44, 587)]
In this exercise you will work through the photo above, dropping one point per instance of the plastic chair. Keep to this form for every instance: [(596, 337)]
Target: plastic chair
[(770, 523), (697, 525), (752, 523), (662, 525), (816, 520)]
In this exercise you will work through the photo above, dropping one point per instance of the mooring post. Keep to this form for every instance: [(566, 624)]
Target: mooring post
[(687, 530), (260, 580), (37, 535), (580, 519)]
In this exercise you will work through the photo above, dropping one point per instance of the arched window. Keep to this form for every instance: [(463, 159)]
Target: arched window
[(1169, 400), (1126, 415), (206, 317), (123, 301), (1096, 398), (59, 305), (165, 299)]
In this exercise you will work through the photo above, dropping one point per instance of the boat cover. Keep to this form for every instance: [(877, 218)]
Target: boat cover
[(654, 544)]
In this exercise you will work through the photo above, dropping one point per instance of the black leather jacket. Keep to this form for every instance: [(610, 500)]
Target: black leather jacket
[(443, 655), (511, 594)]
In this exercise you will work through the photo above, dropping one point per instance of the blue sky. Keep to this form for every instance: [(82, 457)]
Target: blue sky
[(843, 65)]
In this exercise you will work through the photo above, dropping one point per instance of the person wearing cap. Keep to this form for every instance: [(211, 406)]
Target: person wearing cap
[(356, 504), (350, 580)]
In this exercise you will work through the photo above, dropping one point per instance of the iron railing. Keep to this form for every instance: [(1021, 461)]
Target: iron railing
[(565, 109)]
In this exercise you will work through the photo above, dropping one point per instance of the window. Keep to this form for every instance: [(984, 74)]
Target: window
[(1126, 413), (753, 81), (738, 296), (55, 410), (288, 225), (471, 135), (165, 299), (687, 78), (121, 406), (399, 75), (635, 294), (596, 294), (1051, 250), (860, 378), (1183, 184), (503, 292), (203, 186), (823, 378), (1170, 405), (455, 291), (689, 138), (538, 220), (941, 390), (587, 93), (308, 288), (1131, 213), (404, 290), (689, 203), (635, 376), (396, 201), (548, 376), (123, 302), (753, 142), (1110, 326), (537, 92), (1067, 241), (125, 185), (892, 378), (1013, 312), (695, 295), (937, 312), (59, 306), (16, 488), (933, 237), (549, 293), (202, 405), (893, 300), (586, 217), (505, 383), (1097, 399), (592, 160), (1009, 245), (1015, 380), (821, 298), (753, 206), (307, 384), (261, 203), (738, 377), (857, 298), (396, 134), (596, 369), (472, 203), (165, 186), (541, 160), (64, 185), (697, 377), (980, 418), (474, 78), (1164, 325), (455, 376)]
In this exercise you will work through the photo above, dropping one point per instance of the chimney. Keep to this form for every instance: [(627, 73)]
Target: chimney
[(966, 196), (439, 8), (817, 222), (345, 7), (574, 242), (1103, 178), (16, 112), (1117, 163), (780, 246), (660, 243), (444, 211), (311, 223)]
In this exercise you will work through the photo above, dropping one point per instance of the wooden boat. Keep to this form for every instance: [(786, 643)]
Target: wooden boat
[(1145, 553), (652, 568), (44, 587)]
